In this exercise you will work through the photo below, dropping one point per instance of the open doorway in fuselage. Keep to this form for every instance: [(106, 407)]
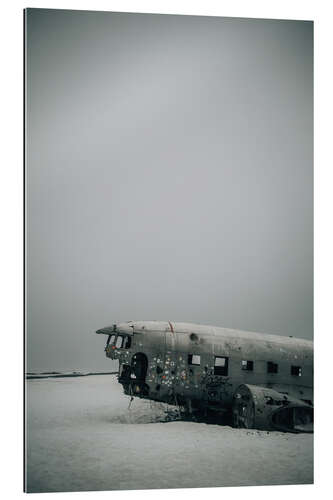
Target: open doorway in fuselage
[(139, 366)]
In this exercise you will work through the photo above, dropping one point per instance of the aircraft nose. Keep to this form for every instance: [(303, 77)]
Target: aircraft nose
[(107, 330), (126, 328)]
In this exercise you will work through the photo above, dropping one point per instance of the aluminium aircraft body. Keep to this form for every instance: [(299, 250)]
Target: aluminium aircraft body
[(263, 381)]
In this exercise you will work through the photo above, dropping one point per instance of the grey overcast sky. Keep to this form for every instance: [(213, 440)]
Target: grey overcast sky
[(169, 176)]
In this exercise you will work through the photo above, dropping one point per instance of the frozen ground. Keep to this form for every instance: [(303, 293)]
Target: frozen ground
[(82, 436)]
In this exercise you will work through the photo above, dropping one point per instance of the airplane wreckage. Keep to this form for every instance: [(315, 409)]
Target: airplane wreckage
[(262, 381)]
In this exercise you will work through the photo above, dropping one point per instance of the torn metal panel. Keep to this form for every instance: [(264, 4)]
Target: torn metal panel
[(262, 408)]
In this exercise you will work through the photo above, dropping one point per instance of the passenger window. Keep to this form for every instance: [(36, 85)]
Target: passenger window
[(119, 342), (127, 342), (296, 371), (112, 338), (247, 365), (194, 359), (272, 367), (221, 366)]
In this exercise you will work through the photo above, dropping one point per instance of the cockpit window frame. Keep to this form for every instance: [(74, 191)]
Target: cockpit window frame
[(122, 342), (126, 341)]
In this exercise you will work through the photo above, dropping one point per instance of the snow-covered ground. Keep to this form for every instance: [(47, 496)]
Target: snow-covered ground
[(81, 435)]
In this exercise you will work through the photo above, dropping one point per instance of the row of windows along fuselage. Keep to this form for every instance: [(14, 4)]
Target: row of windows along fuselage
[(221, 365), (220, 362)]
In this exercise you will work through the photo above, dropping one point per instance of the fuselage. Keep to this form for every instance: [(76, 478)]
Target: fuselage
[(180, 362)]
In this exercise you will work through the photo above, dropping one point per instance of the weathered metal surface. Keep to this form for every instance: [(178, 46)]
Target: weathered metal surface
[(167, 350), (263, 408)]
